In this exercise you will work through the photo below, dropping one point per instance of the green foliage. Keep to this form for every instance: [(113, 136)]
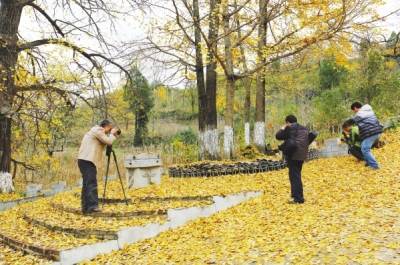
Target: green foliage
[(331, 74), (330, 108), (137, 93), (371, 77), (387, 102), (186, 137), (184, 153), (365, 44), (140, 136), (21, 193), (393, 40), (177, 114), (155, 140), (276, 65), (376, 83)]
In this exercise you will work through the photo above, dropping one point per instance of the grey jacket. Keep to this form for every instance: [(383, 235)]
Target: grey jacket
[(368, 123), (93, 144), (301, 139)]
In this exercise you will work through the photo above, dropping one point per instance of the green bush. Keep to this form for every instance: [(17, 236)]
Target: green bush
[(187, 137)]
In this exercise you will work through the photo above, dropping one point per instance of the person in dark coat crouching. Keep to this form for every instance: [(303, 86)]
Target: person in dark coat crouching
[(370, 130), (296, 160)]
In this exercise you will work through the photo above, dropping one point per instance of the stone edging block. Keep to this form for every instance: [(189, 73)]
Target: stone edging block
[(87, 252), (176, 218), (9, 204)]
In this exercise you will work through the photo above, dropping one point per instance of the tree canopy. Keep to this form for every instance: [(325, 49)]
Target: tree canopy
[(53, 54)]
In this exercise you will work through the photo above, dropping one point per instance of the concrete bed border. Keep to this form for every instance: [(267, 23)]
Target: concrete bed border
[(176, 218), (9, 204)]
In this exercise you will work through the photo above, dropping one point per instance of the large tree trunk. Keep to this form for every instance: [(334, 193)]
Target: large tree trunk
[(208, 136), (246, 82), (10, 14), (5, 143), (259, 126), (230, 87), (228, 129), (247, 112), (6, 183), (202, 95)]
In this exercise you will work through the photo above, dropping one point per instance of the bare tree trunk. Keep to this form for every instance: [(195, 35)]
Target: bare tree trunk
[(202, 95), (10, 14), (228, 129), (5, 142), (247, 105), (259, 126), (246, 82), (208, 136), (230, 87)]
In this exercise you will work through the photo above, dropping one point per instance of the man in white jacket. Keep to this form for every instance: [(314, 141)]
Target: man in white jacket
[(90, 152), (370, 130)]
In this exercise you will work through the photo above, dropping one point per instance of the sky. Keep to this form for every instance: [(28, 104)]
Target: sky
[(393, 23)]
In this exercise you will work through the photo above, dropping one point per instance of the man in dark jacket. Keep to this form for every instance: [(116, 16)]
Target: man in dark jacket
[(370, 130), (296, 160)]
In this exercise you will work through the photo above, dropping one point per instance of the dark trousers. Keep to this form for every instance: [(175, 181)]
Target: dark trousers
[(89, 196), (356, 151), (296, 185)]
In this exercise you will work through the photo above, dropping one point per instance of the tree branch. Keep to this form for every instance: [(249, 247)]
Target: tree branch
[(52, 22), (89, 56), (22, 164), (24, 2), (63, 93)]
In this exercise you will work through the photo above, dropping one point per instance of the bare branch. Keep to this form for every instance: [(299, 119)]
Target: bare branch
[(24, 2), (52, 22), (89, 56), (46, 87), (25, 165)]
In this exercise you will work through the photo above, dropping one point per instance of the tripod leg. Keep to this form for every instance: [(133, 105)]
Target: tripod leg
[(119, 175), (105, 184)]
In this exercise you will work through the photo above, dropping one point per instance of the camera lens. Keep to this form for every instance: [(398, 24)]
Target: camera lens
[(118, 131)]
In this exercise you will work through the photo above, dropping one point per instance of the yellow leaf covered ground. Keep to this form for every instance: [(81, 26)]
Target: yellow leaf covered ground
[(350, 217), (10, 256), (5, 197)]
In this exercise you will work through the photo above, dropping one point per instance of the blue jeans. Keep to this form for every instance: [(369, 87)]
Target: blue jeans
[(366, 150)]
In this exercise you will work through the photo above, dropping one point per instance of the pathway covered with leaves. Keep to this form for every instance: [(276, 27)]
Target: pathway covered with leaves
[(350, 217)]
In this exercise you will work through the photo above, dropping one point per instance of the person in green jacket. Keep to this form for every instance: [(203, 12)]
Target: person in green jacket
[(353, 140)]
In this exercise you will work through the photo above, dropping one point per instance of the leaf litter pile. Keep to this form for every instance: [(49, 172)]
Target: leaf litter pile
[(350, 217)]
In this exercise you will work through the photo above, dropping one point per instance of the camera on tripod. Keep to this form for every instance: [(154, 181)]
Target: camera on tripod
[(109, 152)]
